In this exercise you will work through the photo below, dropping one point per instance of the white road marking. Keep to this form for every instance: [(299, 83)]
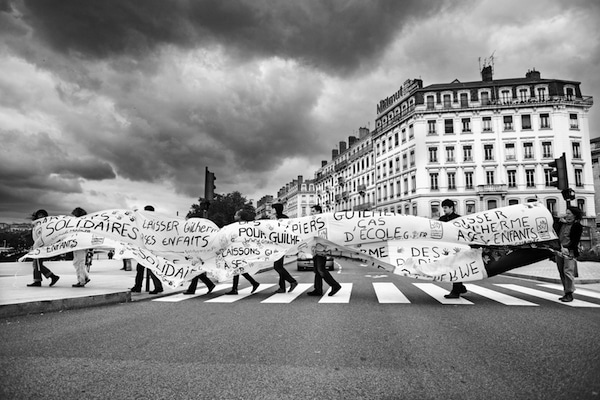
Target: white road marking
[(438, 293), (245, 292), (288, 297), (546, 296), (499, 297), (388, 293)]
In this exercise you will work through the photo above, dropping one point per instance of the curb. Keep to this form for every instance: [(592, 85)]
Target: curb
[(578, 281), (35, 307)]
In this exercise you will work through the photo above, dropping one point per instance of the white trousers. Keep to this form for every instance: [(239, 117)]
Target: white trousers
[(80, 268)]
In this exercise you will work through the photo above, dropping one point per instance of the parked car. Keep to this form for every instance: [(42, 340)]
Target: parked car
[(306, 264)]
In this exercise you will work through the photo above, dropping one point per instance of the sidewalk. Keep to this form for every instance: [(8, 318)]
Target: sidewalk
[(109, 284)]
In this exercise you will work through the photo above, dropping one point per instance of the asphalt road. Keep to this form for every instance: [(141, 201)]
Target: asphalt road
[(308, 350)]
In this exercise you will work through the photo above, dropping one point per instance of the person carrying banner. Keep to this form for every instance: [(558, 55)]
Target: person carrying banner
[(448, 208), (80, 257), (39, 268), (569, 231), (320, 270), (243, 215), (194, 283), (284, 275), (139, 273)]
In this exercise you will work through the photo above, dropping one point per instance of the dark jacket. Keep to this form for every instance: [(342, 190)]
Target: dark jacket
[(574, 235), (446, 218)]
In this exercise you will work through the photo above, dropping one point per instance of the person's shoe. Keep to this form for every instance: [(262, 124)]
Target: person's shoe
[(314, 293), (78, 284), (156, 291), (280, 290), (35, 284), (567, 298), (293, 286), (335, 290), (189, 292), (452, 295), (254, 287), (135, 290), (463, 289), (210, 288), (54, 279), (86, 281), (232, 292)]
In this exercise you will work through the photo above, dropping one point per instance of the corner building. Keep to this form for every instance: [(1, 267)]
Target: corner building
[(484, 144)]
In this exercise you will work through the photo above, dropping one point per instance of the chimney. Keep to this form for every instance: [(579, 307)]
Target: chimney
[(300, 181), (487, 74), (351, 140), (334, 154), (363, 132), (533, 75), (323, 163), (342, 147)]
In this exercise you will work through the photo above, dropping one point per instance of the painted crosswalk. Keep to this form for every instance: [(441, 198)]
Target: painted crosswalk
[(391, 293)]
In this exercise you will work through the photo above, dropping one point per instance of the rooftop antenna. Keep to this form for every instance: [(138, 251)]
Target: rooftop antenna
[(487, 62)]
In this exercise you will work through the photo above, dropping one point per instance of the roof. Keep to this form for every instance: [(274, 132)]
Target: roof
[(456, 84)]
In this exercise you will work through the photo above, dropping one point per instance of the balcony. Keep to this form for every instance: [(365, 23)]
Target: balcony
[(362, 207), (483, 190), (345, 195)]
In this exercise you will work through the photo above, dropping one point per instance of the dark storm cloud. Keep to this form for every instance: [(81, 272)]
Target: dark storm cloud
[(338, 36)]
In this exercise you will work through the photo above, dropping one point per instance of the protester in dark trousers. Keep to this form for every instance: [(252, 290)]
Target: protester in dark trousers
[(284, 275), (321, 272), (569, 231), (80, 257), (139, 274), (39, 268), (194, 283), (243, 215), (449, 214)]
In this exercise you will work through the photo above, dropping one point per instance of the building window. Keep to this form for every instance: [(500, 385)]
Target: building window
[(433, 155), (431, 127), (581, 206), (485, 98), (547, 149), (547, 177), (383, 147), (491, 204), (467, 153), (466, 124), (451, 180), (551, 206), (574, 123), (544, 121), (541, 94), (523, 94), (510, 151), (489, 177), (508, 123), (411, 132), (403, 135), (469, 180), (396, 139), (487, 124), (404, 161), (405, 185), (464, 100), (512, 178), (390, 167), (435, 210), (488, 151), (433, 180), (576, 150), (530, 177), (525, 122), (528, 150), (470, 207), (413, 181), (512, 202), (505, 96), (412, 158), (447, 101), (569, 94), (450, 154), (397, 164), (449, 126), (430, 102), (578, 180)]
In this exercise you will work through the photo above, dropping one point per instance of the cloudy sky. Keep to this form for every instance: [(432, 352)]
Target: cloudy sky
[(121, 103)]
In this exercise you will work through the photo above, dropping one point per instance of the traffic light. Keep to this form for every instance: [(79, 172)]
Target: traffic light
[(209, 185), (568, 194), (559, 171)]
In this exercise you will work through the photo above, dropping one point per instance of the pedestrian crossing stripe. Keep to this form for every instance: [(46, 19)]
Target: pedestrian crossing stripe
[(388, 293)]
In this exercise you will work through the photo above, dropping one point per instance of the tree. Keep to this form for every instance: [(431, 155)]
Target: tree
[(222, 209)]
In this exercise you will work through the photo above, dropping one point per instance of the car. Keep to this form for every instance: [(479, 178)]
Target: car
[(306, 264)]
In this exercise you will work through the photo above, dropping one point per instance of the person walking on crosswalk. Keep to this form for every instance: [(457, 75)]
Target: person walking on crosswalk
[(320, 270), (284, 275), (449, 214)]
